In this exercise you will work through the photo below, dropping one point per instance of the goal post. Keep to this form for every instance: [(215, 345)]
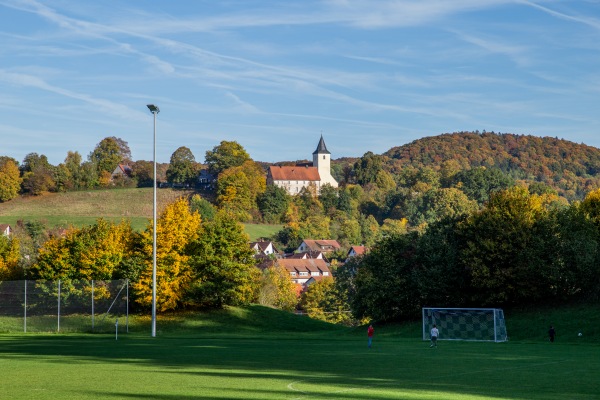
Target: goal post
[(476, 324)]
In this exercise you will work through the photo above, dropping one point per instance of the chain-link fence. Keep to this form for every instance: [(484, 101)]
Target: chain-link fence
[(64, 306)]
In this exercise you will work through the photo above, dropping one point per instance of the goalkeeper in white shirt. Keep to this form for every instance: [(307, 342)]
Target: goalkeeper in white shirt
[(434, 335)]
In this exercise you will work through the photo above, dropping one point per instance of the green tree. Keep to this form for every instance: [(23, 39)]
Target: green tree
[(367, 168), (501, 250), (106, 155), (273, 203), (10, 179), (203, 207), (479, 183), (224, 156), (182, 167), (223, 264)]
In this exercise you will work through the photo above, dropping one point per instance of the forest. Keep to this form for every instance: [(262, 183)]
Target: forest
[(462, 219)]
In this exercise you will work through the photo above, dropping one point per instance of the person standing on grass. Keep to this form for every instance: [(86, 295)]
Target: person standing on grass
[(551, 333), (434, 335), (370, 332)]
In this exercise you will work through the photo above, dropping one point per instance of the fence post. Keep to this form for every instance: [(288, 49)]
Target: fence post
[(58, 323), (127, 307), (92, 304), (25, 310)]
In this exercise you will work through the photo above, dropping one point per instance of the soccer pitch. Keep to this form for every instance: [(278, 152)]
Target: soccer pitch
[(50, 366)]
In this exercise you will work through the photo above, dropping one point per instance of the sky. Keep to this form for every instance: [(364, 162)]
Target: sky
[(276, 75)]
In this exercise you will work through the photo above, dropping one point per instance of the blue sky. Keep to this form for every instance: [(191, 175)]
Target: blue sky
[(275, 75)]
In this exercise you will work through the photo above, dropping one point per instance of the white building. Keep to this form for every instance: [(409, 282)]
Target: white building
[(295, 178)]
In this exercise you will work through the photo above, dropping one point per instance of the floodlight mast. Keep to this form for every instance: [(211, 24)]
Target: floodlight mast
[(154, 110)]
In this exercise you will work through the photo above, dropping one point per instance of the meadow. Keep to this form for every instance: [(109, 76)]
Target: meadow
[(85, 207), (260, 353)]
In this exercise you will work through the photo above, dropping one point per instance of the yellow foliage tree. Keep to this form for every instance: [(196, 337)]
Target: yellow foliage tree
[(9, 258), (175, 229)]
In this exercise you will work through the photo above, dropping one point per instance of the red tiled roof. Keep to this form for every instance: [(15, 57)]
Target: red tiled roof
[(297, 264), (358, 249), (294, 173), (320, 245)]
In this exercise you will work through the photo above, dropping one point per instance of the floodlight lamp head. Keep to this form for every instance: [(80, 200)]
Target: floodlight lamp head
[(153, 109)]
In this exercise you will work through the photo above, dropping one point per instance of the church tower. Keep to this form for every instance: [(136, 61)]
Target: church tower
[(322, 161)]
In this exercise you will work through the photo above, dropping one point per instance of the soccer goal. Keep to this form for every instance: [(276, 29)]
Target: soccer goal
[(478, 324)]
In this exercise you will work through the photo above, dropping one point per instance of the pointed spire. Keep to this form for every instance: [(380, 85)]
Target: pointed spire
[(321, 148)]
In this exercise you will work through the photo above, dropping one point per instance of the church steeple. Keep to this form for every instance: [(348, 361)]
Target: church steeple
[(321, 148)]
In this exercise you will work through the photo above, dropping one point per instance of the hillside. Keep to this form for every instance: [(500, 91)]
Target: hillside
[(572, 169)]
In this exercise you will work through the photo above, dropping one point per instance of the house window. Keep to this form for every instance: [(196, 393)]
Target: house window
[(325, 273), (314, 273), (303, 273), (323, 157), (293, 273)]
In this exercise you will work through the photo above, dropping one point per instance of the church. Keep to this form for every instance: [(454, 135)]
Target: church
[(294, 178)]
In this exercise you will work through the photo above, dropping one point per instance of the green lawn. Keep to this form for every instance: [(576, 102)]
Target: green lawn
[(259, 353)]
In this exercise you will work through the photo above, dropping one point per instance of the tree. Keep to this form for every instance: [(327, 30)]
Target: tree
[(10, 179), (124, 150), (143, 172), (277, 289), (367, 168), (203, 207), (501, 249), (9, 259), (182, 167), (322, 301), (328, 196), (176, 230), (106, 155), (273, 203), (224, 156), (223, 264), (238, 189), (479, 183), (37, 174), (91, 252)]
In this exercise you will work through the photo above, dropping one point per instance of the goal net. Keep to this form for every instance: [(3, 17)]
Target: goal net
[(481, 324)]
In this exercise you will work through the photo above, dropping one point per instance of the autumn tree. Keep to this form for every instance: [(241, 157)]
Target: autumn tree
[(322, 301), (277, 289), (176, 229), (92, 252), (223, 264), (10, 179), (224, 156), (239, 187), (9, 259), (182, 167), (37, 174), (203, 207)]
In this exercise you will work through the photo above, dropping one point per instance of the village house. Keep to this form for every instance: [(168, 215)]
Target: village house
[(294, 178), (121, 171), (5, 230), (263, 248), (315, 246), (301, 270)]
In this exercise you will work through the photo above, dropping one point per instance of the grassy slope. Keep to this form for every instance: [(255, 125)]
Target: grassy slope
[(85, 207)]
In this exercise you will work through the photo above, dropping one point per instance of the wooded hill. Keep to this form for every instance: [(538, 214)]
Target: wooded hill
[(570, 168)]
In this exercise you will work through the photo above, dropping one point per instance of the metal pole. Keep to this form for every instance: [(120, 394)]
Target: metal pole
[(154, 110)]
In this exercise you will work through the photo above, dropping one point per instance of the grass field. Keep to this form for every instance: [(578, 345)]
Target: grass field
[(85, 207), (258, 353)]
